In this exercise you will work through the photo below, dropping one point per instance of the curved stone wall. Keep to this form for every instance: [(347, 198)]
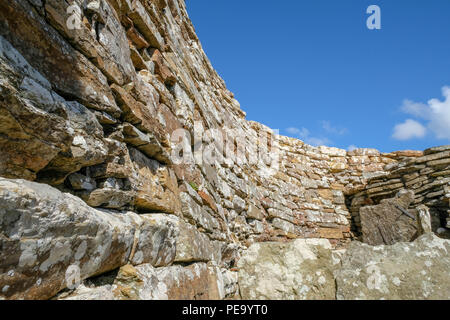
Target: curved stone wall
[(113, 105)]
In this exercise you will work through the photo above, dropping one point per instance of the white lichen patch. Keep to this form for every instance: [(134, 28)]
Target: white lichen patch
[(396, 281), (28, 256), (81, 251)]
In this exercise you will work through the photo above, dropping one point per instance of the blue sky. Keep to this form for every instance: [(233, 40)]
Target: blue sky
[(313, 70)]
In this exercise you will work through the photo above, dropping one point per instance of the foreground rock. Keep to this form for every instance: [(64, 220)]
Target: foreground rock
[(299, 270), (416, 270), (198, 281), (43, 232)]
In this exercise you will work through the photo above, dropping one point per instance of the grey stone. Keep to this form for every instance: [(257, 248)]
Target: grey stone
[(144, 282), (192, 246), (43, 232), (81, 182), (197, 214), (423, 220)]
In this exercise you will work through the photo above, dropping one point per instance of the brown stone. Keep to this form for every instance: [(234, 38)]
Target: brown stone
[(161, 67), (137, 39), (408, 153), (70, 72), (156, 185), (255, 213), (144, 23)]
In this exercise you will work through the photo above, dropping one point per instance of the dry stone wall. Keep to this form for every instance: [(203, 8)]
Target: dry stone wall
[(96, 98), (426, 175)]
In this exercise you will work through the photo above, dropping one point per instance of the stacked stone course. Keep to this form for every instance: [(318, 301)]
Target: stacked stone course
[(426, 174)]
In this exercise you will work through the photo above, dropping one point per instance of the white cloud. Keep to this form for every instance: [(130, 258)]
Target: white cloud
[(293, 130), (303, 132), (305, 135), (326, 125), (419, 110), (318, 141), (435, 113), (408, 130), (352, 147)]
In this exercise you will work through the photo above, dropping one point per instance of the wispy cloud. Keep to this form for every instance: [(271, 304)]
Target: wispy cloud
[(326, 125), (408, 130), (305, 135), (435, 115), (352, 147), (314, 141)]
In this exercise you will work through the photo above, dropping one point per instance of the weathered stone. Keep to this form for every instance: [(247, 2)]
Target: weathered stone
[(117, 163), (43, 114), (147, 143), (195, 282), (363, 152), (254, 212), (44, 232), (416, 270), (161, 67), (436, 149), (337, 166), (330, 233), (155, 185), (137, 39), (387, 223), (145, 24), (439, 163), (109, 198), (192, 246), (239, 204), (423, 220), (408, 153), (148, 116), (301, 269), (95, 117), (39, 128), (155, 241), (138, 61), (88, 146), (197, 214), (208, 200), (103, 42), (88, 293), (81, 182), (69, 72), (290, 230)]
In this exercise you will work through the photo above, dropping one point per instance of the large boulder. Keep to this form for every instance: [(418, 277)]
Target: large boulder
[(43, 233), (298, 270), (409, 270)]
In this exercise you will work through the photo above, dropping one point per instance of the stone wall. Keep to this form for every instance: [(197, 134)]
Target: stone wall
[(426, 174), (95, 97)]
